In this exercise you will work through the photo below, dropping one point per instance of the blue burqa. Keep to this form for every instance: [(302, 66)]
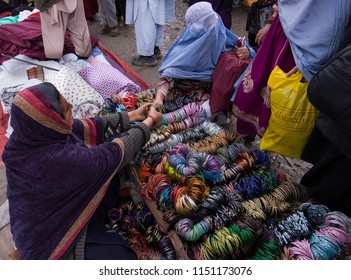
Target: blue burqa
[(196, 52), (315, 29)]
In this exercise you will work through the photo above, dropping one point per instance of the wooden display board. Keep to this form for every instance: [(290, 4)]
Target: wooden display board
[(177, 243)]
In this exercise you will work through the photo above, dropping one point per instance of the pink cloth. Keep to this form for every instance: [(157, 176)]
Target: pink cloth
[(66, 15), (106, 79)]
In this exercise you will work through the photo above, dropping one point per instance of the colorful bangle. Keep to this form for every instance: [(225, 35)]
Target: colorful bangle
[(154, 106)]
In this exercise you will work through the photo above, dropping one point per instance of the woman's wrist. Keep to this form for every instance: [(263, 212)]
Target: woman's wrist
[(154, 121), (131, 116), (149, 121)]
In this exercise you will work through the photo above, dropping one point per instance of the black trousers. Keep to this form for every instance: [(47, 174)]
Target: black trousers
[(330, 177)]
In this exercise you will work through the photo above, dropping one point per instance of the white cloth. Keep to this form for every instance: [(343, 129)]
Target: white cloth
[(14, 72), (85, 100), (149, 18), (162, 10)]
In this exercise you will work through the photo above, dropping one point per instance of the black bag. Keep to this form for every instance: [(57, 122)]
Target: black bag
[(330, 89)]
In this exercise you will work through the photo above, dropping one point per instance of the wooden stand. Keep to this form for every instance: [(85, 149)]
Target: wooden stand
[(177, 243)]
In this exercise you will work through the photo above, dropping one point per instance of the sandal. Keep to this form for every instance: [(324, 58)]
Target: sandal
[(106, 29), (141, 60), (114, 31)]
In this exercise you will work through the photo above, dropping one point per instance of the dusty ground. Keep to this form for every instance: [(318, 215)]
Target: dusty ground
[(124, 47)]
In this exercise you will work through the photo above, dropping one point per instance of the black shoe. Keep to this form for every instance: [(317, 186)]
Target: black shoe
[(141, 60), (157, 52)]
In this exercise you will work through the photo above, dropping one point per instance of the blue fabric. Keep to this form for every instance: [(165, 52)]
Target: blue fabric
[(9, 20), (315, 29), (195, 53)]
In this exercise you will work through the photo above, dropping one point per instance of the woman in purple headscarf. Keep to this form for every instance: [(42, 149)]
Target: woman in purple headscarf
[(61, 175)]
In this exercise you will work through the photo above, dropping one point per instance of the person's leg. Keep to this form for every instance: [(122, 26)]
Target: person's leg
[(107, 11), (145, 35), (110, 12), (159, 40), (121, 13), (102, 17), (79, 31), (53, 34)]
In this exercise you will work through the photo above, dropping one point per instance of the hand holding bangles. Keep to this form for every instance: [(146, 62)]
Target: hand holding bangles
[(148, 113), (159, 99), (154, 114)]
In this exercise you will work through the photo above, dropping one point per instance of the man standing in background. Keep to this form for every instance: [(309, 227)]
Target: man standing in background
[(108, 17), (149, 18), (57, 16)]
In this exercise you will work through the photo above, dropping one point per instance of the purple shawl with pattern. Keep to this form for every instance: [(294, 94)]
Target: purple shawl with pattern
[(252, 100), (57, 174)]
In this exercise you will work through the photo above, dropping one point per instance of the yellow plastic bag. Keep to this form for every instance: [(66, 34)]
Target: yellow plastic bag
[(292, 117)]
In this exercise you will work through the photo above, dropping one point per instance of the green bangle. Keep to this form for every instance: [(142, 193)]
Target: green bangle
[(269, 21), (155, 107)]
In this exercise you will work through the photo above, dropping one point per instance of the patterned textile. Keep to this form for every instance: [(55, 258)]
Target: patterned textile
[(252, 99), (106, 79), (85, 100), (59, 181)]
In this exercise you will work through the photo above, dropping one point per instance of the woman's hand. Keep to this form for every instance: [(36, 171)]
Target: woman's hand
[(154, 116), (159, 100), (242, 52), (292, 71), (139, 114), (262, 33)]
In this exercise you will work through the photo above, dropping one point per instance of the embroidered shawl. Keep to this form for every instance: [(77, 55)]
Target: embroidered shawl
[(57, 174)]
